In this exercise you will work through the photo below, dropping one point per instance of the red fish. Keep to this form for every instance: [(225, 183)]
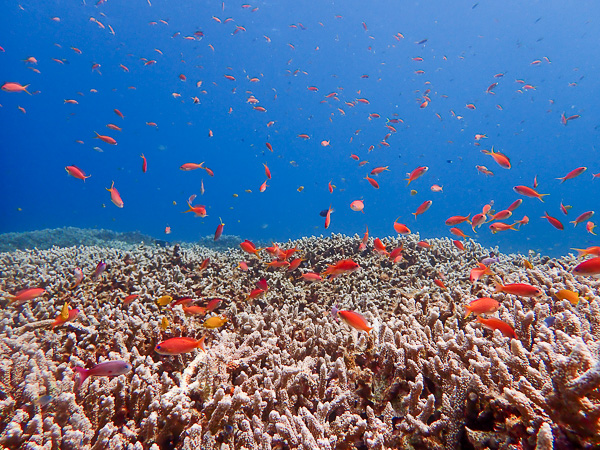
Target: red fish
[(418, 172), (500, 158), (343, 266), (595, 251), (191, 166), (59, 320), (26, 294), (104, 369), (267, 171), (219, 230), (572, 174), (115, 197), (520, 289), (106, 139), (455, 220), (422, 208), (496, 324), (589, 267), (554, 221), (374, 183), (529, 192), (179, 345), (76, 172), (514, 205), (582, 218), (144, 163), (479, 271)]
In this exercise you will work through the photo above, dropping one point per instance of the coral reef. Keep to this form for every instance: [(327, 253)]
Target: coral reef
[(282, 373)]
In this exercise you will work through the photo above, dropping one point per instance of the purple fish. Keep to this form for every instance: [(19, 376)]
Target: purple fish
[(334, 313), (101, 267), (104, 369), (490, 260)]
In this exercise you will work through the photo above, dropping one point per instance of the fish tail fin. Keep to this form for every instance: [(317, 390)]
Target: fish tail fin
[(25, 89), (574, 222), (97, 135), (82, 374), (113, 183), (498, 285), (200, 343), (468, 218), (542, 195), (468, 309), (409, 180)]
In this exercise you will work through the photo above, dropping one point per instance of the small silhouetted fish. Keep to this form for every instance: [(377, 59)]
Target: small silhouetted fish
[(474, 6), (228, 429), (43, 400), (549, 321), (422, 42), (161, 243), (324, 212)]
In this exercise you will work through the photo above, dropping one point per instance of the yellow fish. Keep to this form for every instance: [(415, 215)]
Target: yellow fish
[(413, 192), (164, 323), (527, 264), (164, 300), (301, 188), (215, 322), (565, 294), (64, 314)]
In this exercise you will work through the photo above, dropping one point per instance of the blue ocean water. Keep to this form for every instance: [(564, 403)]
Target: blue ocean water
[(288, 47)]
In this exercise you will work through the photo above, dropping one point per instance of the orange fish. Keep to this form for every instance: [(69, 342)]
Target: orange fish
[(520, 289), (179, 345), (528, 192), (496, 324), (270, 147), (379, 247), (72, 314), (115, 197), (400, 228), (119, 113), (198, 210), (249, 247), (378, 170), (106, 139), (483, 305), (76, 172), (594, 251), (353, 319), (500, 158), (418, 172), (328, 217), (501, 226), (458, 232)]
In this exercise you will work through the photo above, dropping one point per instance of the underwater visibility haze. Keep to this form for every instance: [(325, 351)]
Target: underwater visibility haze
[(191, 80), (299, 225)]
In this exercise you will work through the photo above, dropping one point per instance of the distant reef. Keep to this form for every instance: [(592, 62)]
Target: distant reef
[(72, 236)]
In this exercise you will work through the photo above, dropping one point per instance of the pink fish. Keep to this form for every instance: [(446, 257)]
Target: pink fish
[(104, 369)]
